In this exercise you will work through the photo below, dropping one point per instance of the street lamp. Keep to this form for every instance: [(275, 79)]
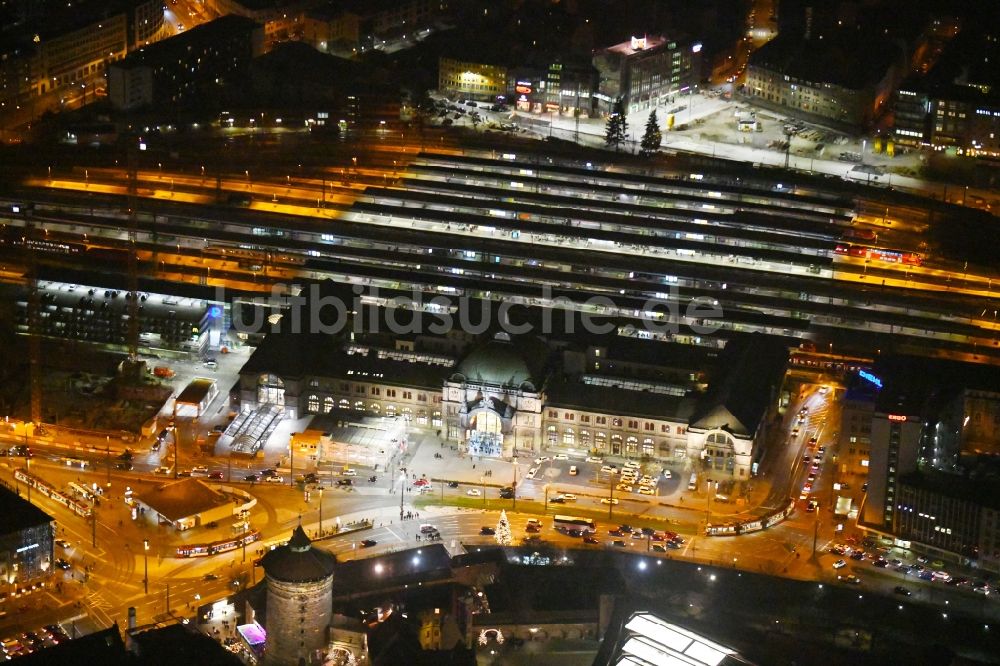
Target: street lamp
[(145, 566), (513, 494), (321, 511), (402, 490)]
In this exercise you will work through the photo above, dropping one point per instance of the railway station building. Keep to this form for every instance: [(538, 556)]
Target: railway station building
[(503, 396)]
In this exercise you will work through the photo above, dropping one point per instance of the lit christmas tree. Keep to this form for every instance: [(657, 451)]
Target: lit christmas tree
[(503, 535)]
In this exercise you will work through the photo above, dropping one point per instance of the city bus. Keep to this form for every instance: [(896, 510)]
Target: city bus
[(572, 521)]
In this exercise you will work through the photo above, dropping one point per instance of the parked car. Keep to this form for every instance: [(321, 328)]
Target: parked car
[(218, 476), (487, 531), (839, 564), (274, 479), (252, 478), (899, 589), (368, 543), (63, 564), (474, 492)]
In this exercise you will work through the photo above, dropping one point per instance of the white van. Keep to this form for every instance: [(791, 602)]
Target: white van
[(573, 471), (693, 483)]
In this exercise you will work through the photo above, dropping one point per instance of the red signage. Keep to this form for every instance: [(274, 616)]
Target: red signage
[(897, 417), (524, 90)]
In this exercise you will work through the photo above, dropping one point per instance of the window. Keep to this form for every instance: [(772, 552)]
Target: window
[(553, 414), (376, 408), (421, 397), (647, 447), (358, 388), (617, 423), (568, 416), (551, 434), (585, 418), (632, 446), (390, 411), (649, 426), (359, 406), (665, 429), (633, 425), (376, 390), (585, 438), (344, 403), (313, 406), (390, 393), (569, 437), (436, 420), (601, 441), (327, 404), (602, 420), (407, 395)]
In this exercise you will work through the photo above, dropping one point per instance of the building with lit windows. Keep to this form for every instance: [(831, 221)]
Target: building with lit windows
[(896, 429), (26, 535), (563, 88), (500, 396), (470, 79), (830, 79), (359, 25), (72, 45), (951, 516), (186, 69), (646, 72)]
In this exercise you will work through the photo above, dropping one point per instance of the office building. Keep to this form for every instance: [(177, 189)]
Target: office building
[(476, 79), (189, 69), (26, 534), (828, 80), (646, 72)]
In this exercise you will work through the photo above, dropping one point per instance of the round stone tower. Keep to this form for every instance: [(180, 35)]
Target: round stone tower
[(299, 600)]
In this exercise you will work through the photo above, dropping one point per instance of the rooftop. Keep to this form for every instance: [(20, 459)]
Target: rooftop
[(17, 514), (196, 391), (831, 58), (175, 500), (748, 375), (509, 362), (595, 398), (297, 561), (179, 45), (637, 45), (976, 490)]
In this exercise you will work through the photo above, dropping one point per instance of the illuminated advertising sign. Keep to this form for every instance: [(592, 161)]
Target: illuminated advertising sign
[(897, 417), (524, 90), (870, 378)]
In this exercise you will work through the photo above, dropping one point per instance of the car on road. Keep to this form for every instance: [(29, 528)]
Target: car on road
[(795, 431), (368, 543), (591, 540), (427, 528), (343, 482), (163, 471), (252, 478), (210, 576), (573, 471), (646, 490), (274, 479), (507, 493), (609, 500), (624, 487), (858, 555), (531, 473), (218, 476), (63, 564), (569, 497), (487, 531), (595, 459), (675, 543), (667, 474), (199, 470), (619, 543), (421, 482), (850, 578), (124, 466), (609, 469), (839, 564), (539, 460), (474, 492), (310, 478), (211, 364), (126, 455), (811, 507), (453, 484), (558, 499), (268, 472), (560, 456), (533, 528), (899, 589), (659, 548), (62, 543), (350, 472)]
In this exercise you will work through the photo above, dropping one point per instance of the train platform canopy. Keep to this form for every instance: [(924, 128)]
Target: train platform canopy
[(186, 503), (196, 397), (648, 640)]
